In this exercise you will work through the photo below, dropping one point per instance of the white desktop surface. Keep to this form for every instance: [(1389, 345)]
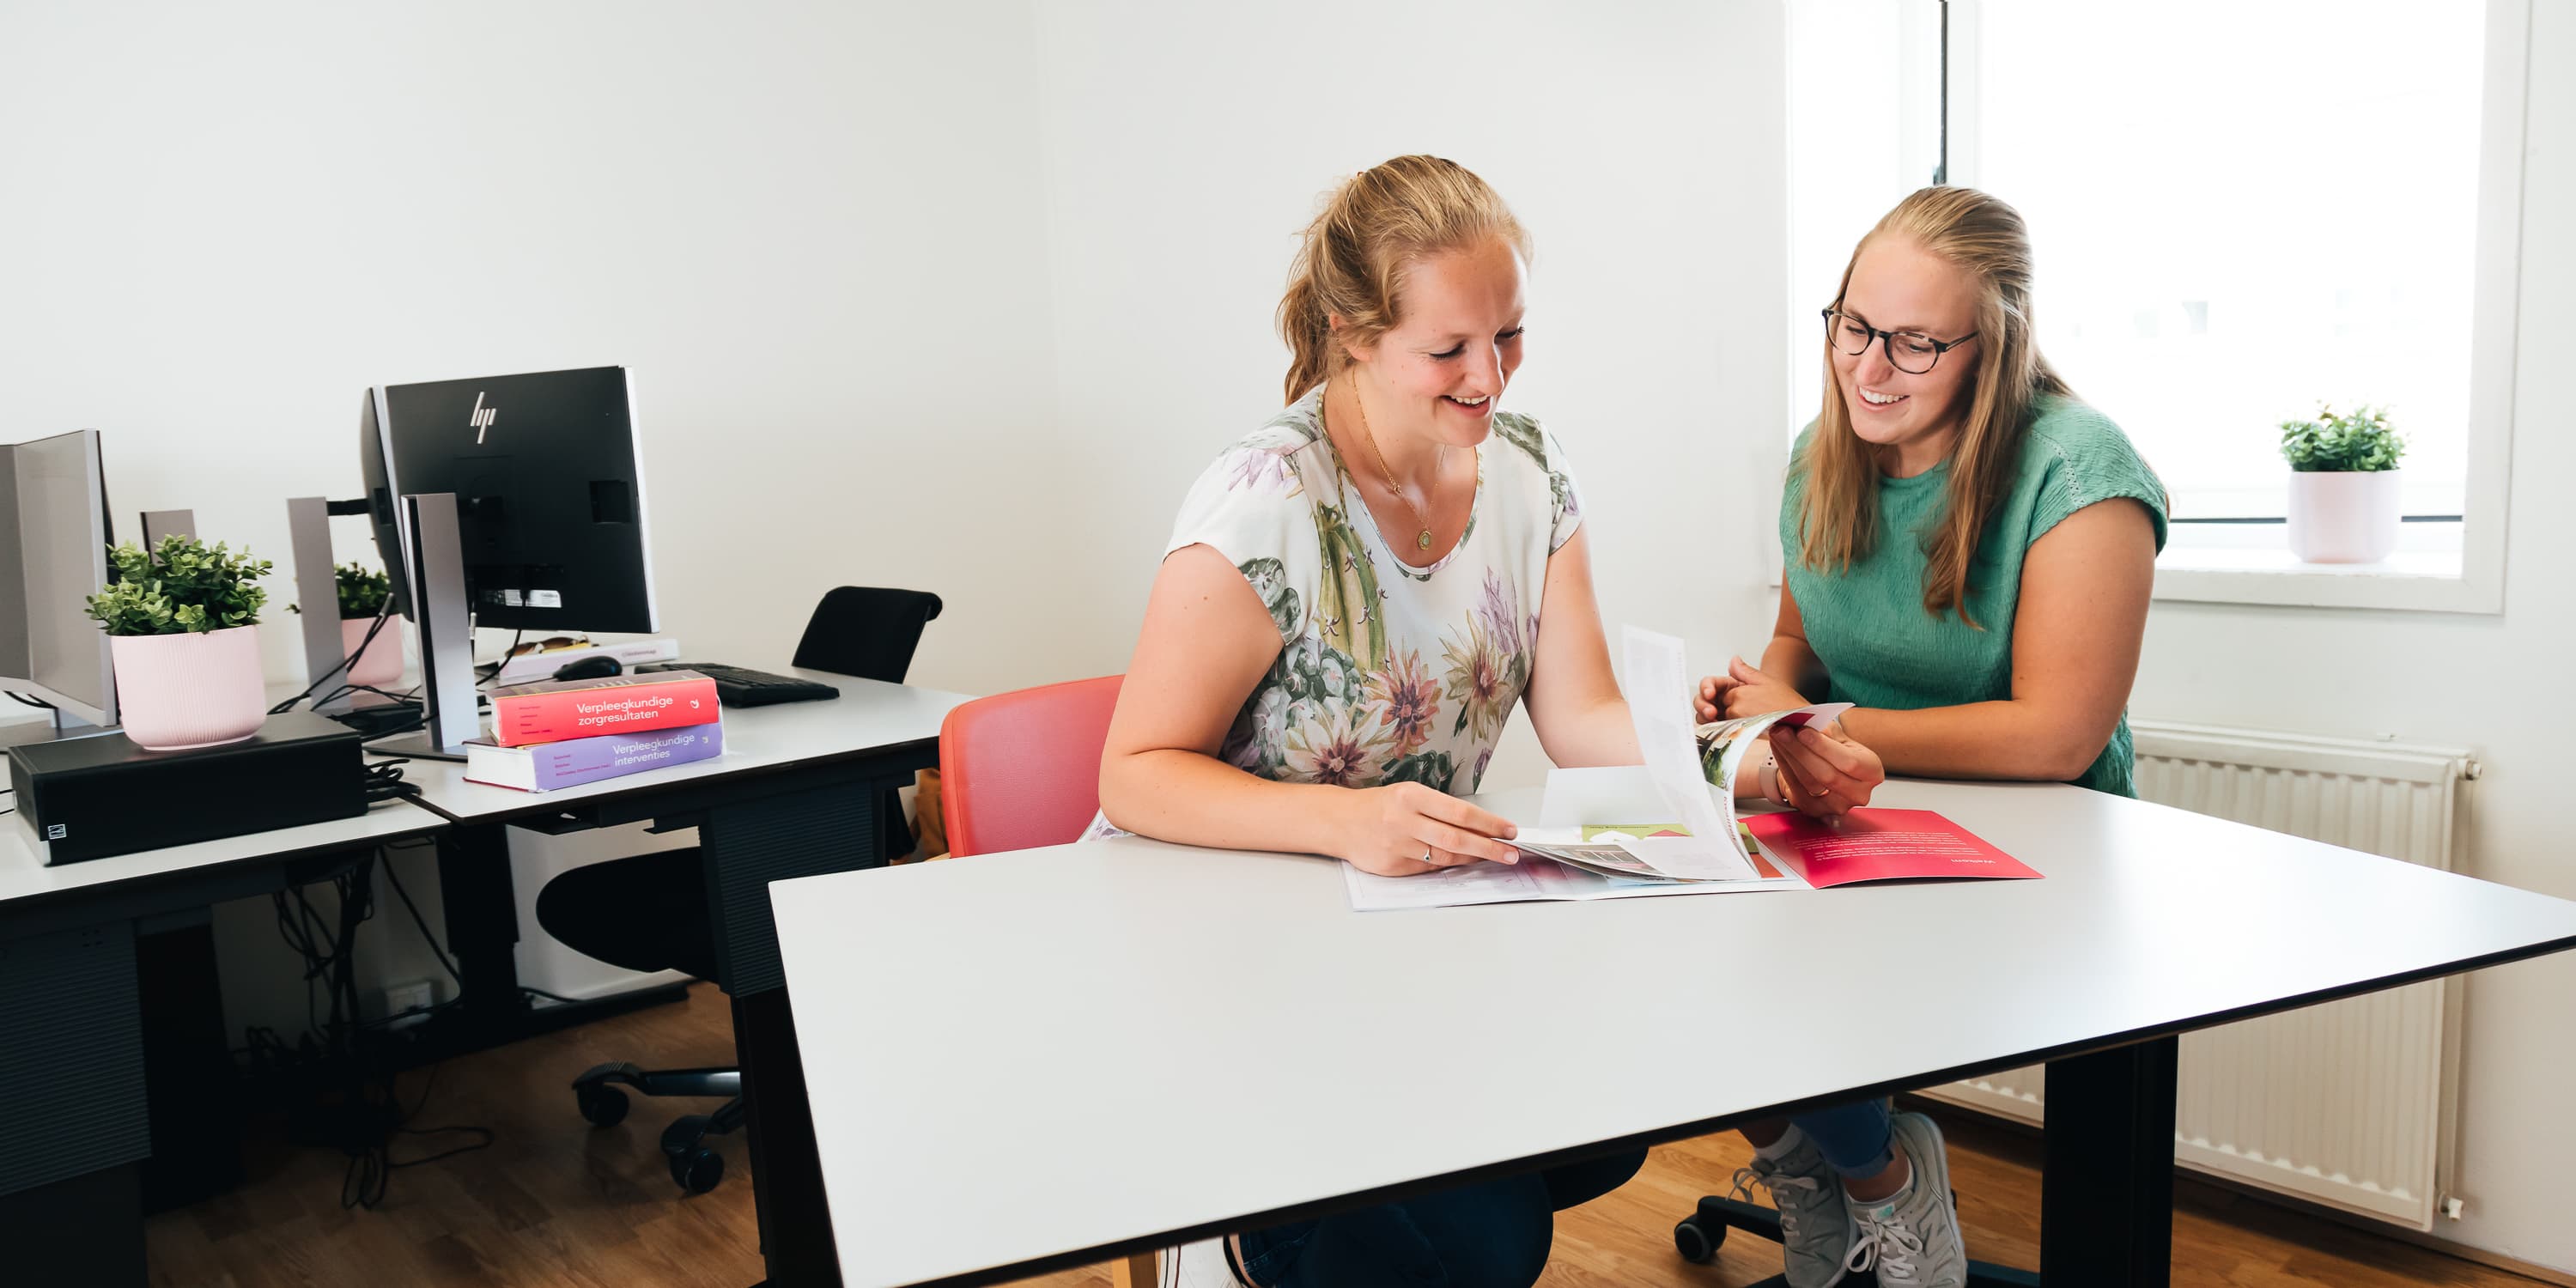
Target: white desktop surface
[(1016, 1055), (868, 716), (21, 876)]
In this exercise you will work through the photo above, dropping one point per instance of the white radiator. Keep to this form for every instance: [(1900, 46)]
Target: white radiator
[(2348, 1104)]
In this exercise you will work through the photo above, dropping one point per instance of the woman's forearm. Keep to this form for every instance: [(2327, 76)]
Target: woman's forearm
[(1193, 799), (2007, 740), (1790, 659), (1602, 733)]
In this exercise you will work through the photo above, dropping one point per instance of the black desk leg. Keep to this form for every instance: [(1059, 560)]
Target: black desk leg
[(2106, 1199), (481, 908), (745, 846), (787, 1170)]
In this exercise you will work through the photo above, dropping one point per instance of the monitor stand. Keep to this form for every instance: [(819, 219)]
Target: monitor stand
[(434, 556)]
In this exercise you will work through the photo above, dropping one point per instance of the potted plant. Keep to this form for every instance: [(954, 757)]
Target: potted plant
[(2344, 506), (182, 620), (363, 592)]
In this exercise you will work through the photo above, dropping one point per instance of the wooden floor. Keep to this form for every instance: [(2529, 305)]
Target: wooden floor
[(554, 1203)]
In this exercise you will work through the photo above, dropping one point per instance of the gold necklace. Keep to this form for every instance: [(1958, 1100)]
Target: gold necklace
[(1422, 539)]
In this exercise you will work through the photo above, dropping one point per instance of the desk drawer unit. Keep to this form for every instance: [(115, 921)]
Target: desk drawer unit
[(73, 1064)]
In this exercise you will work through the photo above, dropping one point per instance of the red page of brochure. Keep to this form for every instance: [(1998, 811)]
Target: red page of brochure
[(1880, 845)]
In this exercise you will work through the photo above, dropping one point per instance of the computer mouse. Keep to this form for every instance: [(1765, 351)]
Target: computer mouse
[(598, 666)]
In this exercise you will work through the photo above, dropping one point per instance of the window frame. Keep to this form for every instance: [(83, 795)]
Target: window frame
[(2205, 574)]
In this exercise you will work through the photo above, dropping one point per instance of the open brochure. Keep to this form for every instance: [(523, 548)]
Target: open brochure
[(1564, 857), (1668, 826)]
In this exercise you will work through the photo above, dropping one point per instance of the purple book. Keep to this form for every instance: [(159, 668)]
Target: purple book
[(545, 766)]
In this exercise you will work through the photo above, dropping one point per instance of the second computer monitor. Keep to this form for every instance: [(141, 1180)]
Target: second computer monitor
[(54, 533), (549, 491)]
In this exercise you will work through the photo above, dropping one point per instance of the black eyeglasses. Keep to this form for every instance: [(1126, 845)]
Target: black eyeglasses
[(1905, 349)]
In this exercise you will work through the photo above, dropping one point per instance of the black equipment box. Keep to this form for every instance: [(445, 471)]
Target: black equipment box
[(95, 797)]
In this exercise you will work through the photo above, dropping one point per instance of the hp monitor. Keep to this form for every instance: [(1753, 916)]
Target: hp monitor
[(549, 494)]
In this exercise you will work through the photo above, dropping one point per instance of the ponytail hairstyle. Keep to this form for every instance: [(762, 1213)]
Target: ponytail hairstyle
[(1838, 511), (1350, 262)]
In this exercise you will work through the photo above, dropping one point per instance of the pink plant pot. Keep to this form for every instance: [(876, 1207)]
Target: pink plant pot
[(382, 663), (2344, 516), (175, 692)]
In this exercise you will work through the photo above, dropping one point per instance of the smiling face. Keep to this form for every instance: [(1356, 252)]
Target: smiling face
[(1438, 374), (1898, 286)]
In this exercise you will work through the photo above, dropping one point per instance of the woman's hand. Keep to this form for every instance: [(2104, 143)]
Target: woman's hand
[(1823, 771), (1406, 829), (1743, 691)]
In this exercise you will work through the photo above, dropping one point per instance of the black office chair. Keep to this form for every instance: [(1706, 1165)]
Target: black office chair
[(648, 912)]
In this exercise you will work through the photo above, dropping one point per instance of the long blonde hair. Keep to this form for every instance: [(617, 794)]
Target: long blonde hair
[(1838, 516), (1351, 259)]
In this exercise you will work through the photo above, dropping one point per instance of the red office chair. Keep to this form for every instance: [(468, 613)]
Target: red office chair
[(1022, 769)]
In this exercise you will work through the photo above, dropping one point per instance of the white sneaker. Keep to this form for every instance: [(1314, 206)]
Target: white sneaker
[(1197, 1265), (1816, 1229), (1912, 1238)]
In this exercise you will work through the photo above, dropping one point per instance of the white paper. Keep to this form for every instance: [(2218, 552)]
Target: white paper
[(1659, 704), (1603, 796), (1527, 881), (1468, 883)]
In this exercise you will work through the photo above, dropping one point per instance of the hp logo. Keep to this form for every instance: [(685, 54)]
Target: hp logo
[(482, 417)]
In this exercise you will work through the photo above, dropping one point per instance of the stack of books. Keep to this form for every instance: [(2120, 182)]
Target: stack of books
[(563, 733)]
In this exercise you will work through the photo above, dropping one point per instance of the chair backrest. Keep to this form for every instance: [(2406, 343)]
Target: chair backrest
[(1022, 769), (866, 631)]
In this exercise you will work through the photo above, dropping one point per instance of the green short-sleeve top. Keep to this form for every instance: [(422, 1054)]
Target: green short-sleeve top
[(1867, 624)]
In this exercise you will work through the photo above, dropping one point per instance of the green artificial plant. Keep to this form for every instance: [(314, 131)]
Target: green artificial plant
[(179, 586), (363, 591), (2360, 442)]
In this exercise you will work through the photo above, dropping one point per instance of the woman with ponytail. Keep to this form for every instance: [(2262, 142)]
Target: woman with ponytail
[(1970, 554), (1352, 601)]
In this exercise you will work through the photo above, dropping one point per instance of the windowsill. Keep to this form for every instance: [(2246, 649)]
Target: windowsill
[(2226, 564)]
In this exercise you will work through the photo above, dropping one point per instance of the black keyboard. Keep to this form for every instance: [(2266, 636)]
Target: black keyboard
[(739, 687)]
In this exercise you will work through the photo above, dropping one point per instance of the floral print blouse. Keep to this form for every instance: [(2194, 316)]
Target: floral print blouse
[(1386, 673)]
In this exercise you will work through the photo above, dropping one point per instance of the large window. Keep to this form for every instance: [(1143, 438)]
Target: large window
[(2240, 211), (2245, 210)]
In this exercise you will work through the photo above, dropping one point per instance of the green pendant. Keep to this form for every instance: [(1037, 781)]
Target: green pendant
[(1423, 541)]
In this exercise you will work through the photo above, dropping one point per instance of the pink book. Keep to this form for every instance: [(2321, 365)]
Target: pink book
[(557, 710), (1880, 845)]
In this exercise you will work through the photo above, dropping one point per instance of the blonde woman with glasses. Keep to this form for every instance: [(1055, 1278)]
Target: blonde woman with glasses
[(1970, 552)]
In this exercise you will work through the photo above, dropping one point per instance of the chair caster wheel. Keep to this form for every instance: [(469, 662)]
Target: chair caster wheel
[(697, 1171), (604, 1106), (1698, 1241)]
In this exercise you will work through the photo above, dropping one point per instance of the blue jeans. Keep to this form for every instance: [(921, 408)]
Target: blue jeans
[(1853, 1138), (1494, 1234)]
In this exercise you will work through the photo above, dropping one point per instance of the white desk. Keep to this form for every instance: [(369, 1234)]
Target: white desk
[(797, 792), (794, 792), (26, 883), (1097, 1048)]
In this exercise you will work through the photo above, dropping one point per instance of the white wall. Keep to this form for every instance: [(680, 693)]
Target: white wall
[(812, 230), (1641, 145), (2497, 684)]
